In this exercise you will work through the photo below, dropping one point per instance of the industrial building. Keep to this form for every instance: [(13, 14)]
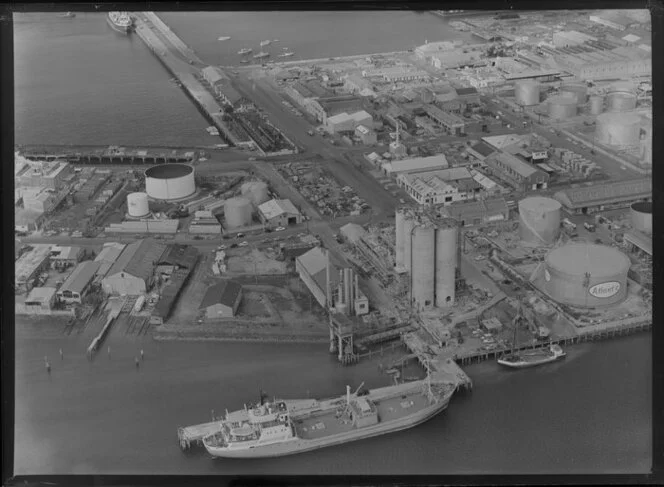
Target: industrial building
[(62, 257), (78, 282), (570, 38), (204, 222), (612, 20), (133, 272), (169, 295), (344, 122), (528, 146), (107, 257), (599, 197), (418, 164), (539, 220), (517, 172), (452, 124), (352, 232), (366, 135), (279, 213), (176, 257), (586, 275), (443, 186), (40, 300), (237, 212), (29, 266), (170, 182), (41, 174), (478, 212), (221, 300)]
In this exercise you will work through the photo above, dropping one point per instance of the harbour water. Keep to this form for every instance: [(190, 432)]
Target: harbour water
[(590, 413)]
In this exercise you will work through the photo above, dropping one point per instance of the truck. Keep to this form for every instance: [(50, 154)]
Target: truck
[(589, 226), (568, 224)]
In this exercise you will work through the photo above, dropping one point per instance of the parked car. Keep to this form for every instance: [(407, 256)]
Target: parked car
[(243, 244), (279, 229), (240, 235), (233, 245)]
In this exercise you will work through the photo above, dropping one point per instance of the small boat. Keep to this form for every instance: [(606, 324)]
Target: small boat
[(245, 50), (223, 38), (262, 55), (212, 130), (68, 15), (287, 54), (265, 43), (120, 22), (275, 40), (245, 61), (285, 48)]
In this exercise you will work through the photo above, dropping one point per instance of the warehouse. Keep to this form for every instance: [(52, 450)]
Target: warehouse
[(40, 300), (62, 257), (222, 300), (639, 241), (279, 213), (517, 172), (177, 257), (439, 187), (418, 164), (451, 123), (29, 266), (590, 199), (107, 257), (169, 296), (78, 282), (133, 272), (42, 174), (480, 150), (344, 122), (478, 212), (312, 269), (366, 135)]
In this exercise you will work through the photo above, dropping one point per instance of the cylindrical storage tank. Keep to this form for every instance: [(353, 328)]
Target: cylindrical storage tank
[(527, 92), (621, 129), (400, 218), (562, 107), (446, 263), (596, 104), (423, 266), (539, 220), (137, 205), (170, 181), (237, 212), (255, 191), (578, 91), (642, 216), (408, 225), (586, 275), (621, 101)]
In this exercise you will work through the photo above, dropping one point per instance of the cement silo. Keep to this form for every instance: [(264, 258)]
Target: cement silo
[(586, 275), (618, 129), (562, 107), (596, 104), (423, 266), (539, 220), (399, 246), (255, 191), (446, 263), (137, 205), (641, 216), (408, 225), (527, 92), (621, 101), (237, 212), (170, 181), (576, 90)]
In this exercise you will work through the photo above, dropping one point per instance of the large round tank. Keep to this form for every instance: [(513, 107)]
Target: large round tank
[(170, 181), (642, 216), (562, 107), (596, 104), (621, 101), (539, 220), (255, 191), (408, 225), (423, 266), (586, 275), (527, 92), (446, 263), (399, 245), (137, 205), (620, 129), (576, 90), (237, 212)]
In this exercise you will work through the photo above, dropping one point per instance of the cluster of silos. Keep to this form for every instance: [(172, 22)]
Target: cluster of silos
[(618, 129), (427, 249), (527, 92), (576, 90), (255, 191), (621, 100), (641, 216), (539, 220), (137, 205), (348, 291), (237, 212), (596, 103), (562, 107)]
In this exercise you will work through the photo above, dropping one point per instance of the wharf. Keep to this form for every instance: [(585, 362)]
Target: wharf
[(94, 154), (339, 59), (191, 435)]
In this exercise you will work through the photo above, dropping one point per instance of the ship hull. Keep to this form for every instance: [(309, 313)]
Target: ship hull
[(299, 445), (122, 29), (527, 364)]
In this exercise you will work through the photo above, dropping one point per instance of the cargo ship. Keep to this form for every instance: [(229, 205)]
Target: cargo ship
[(282, 427), (531, 358), (120, 22)]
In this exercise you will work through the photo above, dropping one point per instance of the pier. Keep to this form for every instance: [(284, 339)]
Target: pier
[(189, 436), (108, 155)]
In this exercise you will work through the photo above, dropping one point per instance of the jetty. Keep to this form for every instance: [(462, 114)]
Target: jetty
[(107, 155)]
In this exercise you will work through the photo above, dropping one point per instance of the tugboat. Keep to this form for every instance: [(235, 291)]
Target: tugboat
[(120, 22)]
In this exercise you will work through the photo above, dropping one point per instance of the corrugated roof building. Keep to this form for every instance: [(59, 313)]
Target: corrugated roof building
[(600, 197), (29, 265), (169, 296), (418, 164), (222, 300), (517, 172), (478, 212), (312, 269), (133, 272), (279, 213), (77, 283), (107, 257)]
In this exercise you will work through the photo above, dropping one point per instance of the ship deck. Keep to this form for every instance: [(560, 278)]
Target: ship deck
[(331, 422)]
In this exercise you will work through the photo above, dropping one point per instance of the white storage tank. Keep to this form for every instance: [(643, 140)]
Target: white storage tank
[(423, 266), (408, 225), (137, 205), (618, 129), (527, 92), (576, 90), (562, 107), (237, 212), (170, 181), (255, 191), (539, 220), (621, 101), (446, 262), (596, 104), (399, 237), (641, 214)]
